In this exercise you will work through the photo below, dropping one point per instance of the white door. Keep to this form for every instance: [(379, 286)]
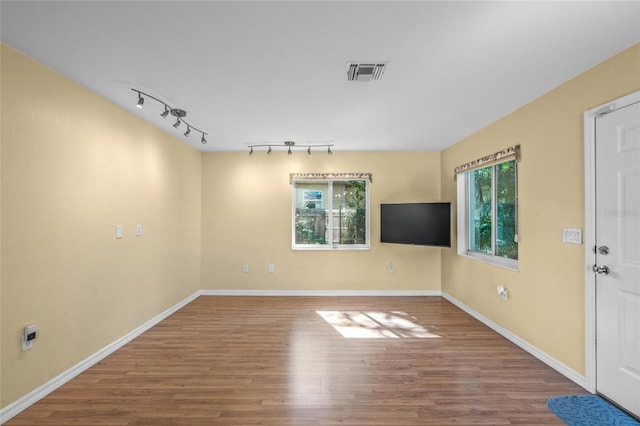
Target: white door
[(617, 257)]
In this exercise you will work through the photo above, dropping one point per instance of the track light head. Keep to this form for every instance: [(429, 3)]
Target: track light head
[(309, 151), (177, 123), (251, 151), (165, 113), (269, 152), (329, 151), (203, 140), (188, 131), (140, 101), (289, 151)]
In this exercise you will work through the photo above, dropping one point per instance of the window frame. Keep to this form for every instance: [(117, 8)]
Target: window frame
[(463, 219), (329, 208)]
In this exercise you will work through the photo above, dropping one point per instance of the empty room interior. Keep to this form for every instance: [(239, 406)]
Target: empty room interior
[(207, 210)]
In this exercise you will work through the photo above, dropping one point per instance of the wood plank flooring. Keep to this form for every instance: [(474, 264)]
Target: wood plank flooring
[(275, 361)]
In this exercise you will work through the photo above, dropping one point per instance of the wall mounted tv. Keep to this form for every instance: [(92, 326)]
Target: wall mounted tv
[(425, 224)]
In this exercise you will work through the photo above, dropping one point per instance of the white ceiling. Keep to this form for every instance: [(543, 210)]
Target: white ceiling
[(252, 72)]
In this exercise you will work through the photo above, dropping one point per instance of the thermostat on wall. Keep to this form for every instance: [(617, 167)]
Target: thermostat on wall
[(28, 336)]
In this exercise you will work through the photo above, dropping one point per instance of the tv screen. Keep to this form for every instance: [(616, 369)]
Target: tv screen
[(426, 224)]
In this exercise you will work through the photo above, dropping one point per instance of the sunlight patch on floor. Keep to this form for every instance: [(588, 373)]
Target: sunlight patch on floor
[(375, 325)]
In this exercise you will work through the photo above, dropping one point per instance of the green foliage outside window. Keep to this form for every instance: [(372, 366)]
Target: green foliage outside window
[(340, 220), (485, 234), (357, 214)]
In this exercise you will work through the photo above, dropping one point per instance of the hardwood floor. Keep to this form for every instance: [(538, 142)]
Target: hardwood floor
[(277, 361)]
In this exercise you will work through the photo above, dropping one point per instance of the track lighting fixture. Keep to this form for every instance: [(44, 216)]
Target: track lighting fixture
[(180, 114), (290, 145)]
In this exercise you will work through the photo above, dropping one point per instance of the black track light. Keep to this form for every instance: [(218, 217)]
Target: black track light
[(291, 146), (180, 114)]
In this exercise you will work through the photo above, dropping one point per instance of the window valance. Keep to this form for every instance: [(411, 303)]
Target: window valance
[(325, 176), (513, 152)]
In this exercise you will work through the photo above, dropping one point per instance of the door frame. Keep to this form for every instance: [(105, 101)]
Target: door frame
[(589, 118)]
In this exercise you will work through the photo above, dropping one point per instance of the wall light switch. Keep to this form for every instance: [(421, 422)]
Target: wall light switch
[(572, 235), (118, 231), (139, 230), (271, 268)]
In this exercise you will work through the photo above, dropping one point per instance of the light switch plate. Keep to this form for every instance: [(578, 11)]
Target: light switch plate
[(572, 235), (118, 231)]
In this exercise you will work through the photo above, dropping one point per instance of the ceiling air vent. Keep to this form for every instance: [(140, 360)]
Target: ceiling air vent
[(365, 71)]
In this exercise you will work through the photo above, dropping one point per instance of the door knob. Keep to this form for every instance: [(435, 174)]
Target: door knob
[(603, 250), (600, 270)]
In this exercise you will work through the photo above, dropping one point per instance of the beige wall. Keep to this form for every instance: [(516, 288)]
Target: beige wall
[(246, 211), (73, 166), (546, 307)]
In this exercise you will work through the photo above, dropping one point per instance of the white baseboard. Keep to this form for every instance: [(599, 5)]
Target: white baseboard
[(566, 371), (377, 293), (40, 392)]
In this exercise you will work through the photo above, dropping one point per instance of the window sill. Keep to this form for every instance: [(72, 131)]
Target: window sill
[(501, 262), (324, 247)]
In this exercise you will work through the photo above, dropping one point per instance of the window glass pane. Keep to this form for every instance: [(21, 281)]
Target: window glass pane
[(480, 216), (310, 213), (506, 226), (349, 212)]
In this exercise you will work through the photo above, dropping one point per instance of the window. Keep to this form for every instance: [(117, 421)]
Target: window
[(330, 214), (488, 214)]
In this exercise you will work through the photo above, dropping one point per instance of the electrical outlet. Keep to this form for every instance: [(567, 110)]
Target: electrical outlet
[(245, 268), (272, 268), (503, 292), (390, 267)]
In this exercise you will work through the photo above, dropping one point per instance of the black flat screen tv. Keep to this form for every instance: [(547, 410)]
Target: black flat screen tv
[(425, 224)]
